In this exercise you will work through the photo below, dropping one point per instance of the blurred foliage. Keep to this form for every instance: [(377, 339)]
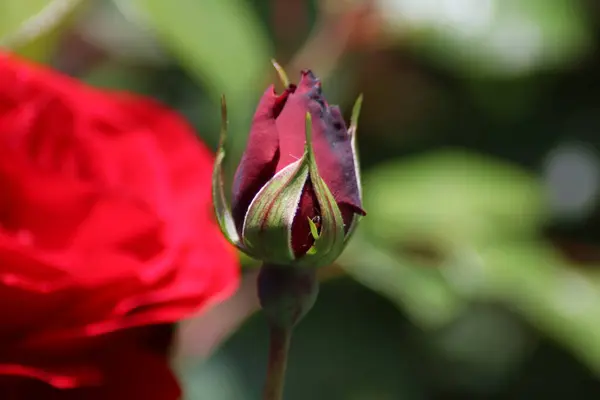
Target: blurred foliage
[(220, 42), (493, 37), (452, 198), (34, 27), (476, 271)]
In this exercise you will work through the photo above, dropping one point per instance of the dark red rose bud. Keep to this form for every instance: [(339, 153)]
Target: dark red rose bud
[(296, 192)]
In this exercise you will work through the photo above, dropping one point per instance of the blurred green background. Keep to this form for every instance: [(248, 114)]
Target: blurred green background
[(476, 274)]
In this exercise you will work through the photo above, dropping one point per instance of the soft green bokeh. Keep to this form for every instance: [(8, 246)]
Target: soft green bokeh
[(34, 27), (493, 37), (451, 199), (222, 44), (482, 216), (460, 281)]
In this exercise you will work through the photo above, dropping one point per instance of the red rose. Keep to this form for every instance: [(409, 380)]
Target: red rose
[(296, 195), (106, 238)]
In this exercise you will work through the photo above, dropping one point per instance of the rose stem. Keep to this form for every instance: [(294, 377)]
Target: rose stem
[(286, 294), (279, 345)]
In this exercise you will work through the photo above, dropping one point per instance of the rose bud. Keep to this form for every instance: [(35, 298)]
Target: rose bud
[(296, 193)]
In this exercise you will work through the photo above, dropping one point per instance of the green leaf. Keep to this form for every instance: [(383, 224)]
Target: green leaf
[(268, 223)]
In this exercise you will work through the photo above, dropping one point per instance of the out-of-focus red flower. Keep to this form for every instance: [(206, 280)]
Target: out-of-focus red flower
[(106, 238)]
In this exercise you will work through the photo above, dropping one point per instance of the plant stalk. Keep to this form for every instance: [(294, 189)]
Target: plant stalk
[(286, 294), (279, 345)]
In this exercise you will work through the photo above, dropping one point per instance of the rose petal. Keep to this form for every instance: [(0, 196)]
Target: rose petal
[(48, 209), (308, 208), (291, 122), (335, 160), (331, 142), (59, 379), (105, 225), (128, 365), (258, 162)]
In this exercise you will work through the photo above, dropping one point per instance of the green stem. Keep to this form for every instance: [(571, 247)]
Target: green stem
[(286, 294), (278, 355)]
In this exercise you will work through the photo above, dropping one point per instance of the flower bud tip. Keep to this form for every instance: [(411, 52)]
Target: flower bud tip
[(281, 72)]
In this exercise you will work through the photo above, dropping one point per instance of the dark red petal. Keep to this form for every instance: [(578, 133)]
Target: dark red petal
[(129, 364), (291, 121), (308, 207), (331, 142), (335, 158), (260, 157), (348, 214), (308, 81)]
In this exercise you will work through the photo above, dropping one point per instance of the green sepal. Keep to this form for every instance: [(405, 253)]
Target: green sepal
[(281, 73), (221, 207), (355, 114), (267, 228), (352, 132), (330, 241), (314, 231)]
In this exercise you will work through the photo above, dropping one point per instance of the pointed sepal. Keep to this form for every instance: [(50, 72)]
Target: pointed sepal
[(221, 207), (355, 114), (268, 223), (281, 73), (352, 132)]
